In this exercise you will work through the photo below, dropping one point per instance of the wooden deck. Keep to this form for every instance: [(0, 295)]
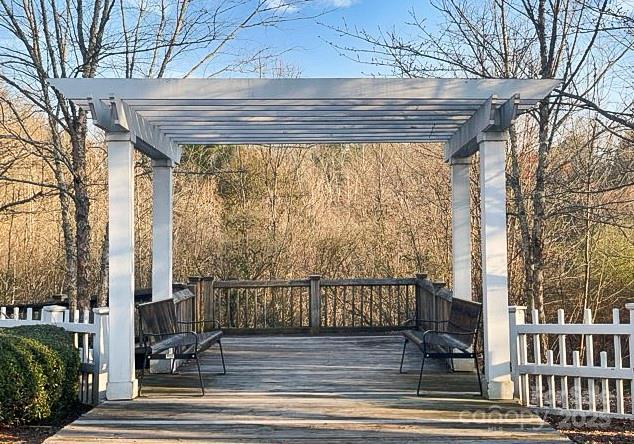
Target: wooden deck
[(309, 389)]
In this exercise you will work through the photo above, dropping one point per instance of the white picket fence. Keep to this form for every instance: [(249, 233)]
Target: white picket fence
[(561, 383), (90, 335)]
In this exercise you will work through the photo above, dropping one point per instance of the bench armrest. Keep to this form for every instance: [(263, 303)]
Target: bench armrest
[(431, 321), (146, 335), (216, 323), (426, 332), (420, 321)]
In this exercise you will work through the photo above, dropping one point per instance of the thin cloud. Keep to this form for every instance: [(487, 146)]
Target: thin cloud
[(341, 3), (281, 5)]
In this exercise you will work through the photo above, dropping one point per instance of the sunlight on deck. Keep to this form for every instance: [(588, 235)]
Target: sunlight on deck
[(310, 389)]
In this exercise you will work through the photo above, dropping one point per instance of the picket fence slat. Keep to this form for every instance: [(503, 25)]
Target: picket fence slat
[(618, 363), (587, 319), (576, 359), (563, 360)]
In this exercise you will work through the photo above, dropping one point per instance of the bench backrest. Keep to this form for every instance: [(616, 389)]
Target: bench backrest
[(158, 317), (464, 317)]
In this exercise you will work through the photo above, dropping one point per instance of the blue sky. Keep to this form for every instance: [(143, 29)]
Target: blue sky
[(306, 38)]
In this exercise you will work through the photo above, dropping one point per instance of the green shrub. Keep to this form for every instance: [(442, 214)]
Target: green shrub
[(38, 374)]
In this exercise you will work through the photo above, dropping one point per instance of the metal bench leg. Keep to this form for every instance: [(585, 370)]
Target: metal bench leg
[(420, 376), (400, 370), (475, 360), (200, 376), (222, 357), (142, 376), (173, 365)]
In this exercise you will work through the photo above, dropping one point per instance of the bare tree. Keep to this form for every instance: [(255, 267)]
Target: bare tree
[(583, 43), (85, 39)]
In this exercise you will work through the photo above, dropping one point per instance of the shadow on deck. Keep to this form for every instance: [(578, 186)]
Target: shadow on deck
[(310, 389)]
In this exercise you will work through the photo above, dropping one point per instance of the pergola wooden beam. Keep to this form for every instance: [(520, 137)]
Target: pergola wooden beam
[(115, 116), (487, 118)]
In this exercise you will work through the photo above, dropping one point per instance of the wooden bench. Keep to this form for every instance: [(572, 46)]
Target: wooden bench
[(459, 332), (160, 332)]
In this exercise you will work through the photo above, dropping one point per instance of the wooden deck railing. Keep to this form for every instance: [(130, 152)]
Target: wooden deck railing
[(319, 305)]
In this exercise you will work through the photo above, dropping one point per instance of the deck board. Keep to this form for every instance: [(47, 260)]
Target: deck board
[(310, 389)]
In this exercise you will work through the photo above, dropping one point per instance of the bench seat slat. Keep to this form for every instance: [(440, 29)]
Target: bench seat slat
[(205, 340), (445, 340)]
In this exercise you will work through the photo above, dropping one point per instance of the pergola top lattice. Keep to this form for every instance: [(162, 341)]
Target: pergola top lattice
[(162, 114)]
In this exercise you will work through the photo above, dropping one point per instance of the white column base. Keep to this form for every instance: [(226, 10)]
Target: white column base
[(500, 389), (122, 391)]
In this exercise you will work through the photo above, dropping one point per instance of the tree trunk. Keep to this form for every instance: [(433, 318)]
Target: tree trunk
[(82, 210), (102, 295), (515, 184), (539, 204), (65, 202)]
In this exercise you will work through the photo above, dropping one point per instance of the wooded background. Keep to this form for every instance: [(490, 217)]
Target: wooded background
[(370, 210)]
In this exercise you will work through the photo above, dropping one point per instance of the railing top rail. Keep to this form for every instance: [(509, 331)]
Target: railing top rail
[(369, 282), (74, 327), (261, 284), (575, 329)]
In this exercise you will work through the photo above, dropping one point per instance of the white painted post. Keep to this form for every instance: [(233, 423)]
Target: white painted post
[(630, 308), (563, 360), (618, 364), (552, 389), (53, 314), (494, 264), (100, 354), (537, 354), (162, 190), (576, 362), (605, 385), (516, 317), (592, 401), (461, 227), (162, 184), (122, 383)]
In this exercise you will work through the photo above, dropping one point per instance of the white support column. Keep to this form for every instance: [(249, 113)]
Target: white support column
[(162, 229), (122, 383), (497, 364), (461, 227)]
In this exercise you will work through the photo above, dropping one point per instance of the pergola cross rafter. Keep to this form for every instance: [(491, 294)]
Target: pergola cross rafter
[(158, 117), (171, 112)]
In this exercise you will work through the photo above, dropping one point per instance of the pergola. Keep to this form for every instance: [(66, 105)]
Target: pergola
[(158, 117)]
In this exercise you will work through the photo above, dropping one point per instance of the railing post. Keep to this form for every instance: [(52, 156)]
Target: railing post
[(315, 303), (100, 354), (436, 306), (195, 282), (53, 314), (419, 298), (208, 298), (516, 317)]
